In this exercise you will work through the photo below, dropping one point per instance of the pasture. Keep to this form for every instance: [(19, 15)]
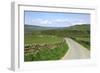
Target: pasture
[(44, 47), (47, 43)]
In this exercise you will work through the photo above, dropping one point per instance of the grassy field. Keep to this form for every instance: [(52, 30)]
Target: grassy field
[(39, 39), (46, 43), (80, 33), (44, 47)]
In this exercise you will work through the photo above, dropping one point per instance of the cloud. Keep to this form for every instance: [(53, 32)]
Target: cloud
[(61, 20), (41, 22), (51, 23), (56, 22), (80, 22), (46, 22)]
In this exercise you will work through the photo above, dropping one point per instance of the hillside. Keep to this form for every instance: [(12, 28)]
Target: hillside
[(47, 43), (32, 28), (81, 27)]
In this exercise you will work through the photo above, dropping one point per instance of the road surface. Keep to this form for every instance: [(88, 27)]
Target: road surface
[(76, 51)]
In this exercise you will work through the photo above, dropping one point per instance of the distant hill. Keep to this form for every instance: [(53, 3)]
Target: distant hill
[(80, 27), (31, 28)]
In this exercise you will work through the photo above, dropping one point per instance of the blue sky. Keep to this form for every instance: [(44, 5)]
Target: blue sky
[(51, 19)]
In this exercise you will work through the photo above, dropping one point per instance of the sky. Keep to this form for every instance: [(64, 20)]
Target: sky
[(55, 19)]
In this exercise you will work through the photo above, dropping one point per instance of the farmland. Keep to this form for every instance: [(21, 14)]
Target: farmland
[(44, 47), (47, 43), (79, 33)]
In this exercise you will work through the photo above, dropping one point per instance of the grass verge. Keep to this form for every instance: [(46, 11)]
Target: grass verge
[(83, 41), (49, 51)]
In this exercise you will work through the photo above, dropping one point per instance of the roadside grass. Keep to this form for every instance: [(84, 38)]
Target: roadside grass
[(83, 41), (43, 53)]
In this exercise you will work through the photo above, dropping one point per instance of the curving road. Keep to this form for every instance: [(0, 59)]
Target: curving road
[(76, 51)]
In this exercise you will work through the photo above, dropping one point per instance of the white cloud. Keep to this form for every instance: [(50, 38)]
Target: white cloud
[(51, 23), (46, 22), (79, 22)]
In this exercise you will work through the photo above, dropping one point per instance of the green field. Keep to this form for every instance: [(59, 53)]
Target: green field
[(79, 33), (39, 39), (47, 43), (44, 47)]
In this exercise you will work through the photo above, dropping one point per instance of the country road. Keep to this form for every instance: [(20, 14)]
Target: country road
[(76, 51)]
